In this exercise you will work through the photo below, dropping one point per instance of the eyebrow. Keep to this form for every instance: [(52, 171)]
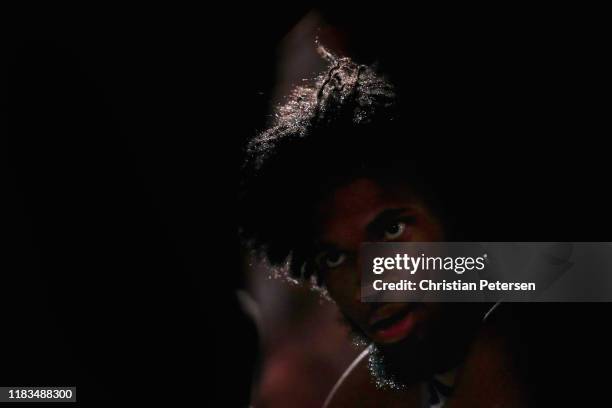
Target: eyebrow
[(382, 219), (326, 246)]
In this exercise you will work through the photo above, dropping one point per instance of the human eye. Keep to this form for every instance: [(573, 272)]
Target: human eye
[(394, 230), (331, 259)]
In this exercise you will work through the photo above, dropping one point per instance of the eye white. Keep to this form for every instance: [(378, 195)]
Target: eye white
[(335, 260), (395, 231)]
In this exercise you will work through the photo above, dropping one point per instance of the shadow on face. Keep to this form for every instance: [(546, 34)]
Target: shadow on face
[(414, 340)]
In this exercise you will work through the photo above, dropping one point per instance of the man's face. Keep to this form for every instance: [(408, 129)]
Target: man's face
[(414, 340)]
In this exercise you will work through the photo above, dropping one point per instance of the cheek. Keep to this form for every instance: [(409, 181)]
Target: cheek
[(343, 285), (427, 230)]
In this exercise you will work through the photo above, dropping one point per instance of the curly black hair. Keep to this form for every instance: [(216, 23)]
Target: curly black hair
[(348, 123)]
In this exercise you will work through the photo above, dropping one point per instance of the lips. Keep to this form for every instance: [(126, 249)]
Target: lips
[(392, 323)]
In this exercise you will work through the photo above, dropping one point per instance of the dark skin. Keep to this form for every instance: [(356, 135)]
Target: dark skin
[(363, 211), (440, 336)]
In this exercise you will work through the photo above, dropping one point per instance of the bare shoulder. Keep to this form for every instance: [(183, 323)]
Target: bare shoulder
[(355, 388)]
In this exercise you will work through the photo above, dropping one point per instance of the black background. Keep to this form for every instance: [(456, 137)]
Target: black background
[(124, 139)]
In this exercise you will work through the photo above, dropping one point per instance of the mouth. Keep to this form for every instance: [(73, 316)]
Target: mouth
[(392, 323)]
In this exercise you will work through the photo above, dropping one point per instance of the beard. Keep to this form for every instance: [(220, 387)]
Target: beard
[(418, 358), (396, 368), (391, 367)]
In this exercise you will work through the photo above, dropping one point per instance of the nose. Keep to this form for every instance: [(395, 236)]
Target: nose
[(363, 288), (357, 294)]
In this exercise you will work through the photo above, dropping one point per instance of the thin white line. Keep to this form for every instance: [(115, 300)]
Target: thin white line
[(350, 368), (491, 311)]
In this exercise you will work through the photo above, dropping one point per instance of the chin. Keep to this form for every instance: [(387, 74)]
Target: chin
[(415, 358), (399, 365)]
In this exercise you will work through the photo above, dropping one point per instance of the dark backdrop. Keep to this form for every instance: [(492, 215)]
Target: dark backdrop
[(124, 138)]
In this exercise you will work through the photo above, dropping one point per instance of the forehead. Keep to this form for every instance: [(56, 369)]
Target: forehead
[(347, 210)]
